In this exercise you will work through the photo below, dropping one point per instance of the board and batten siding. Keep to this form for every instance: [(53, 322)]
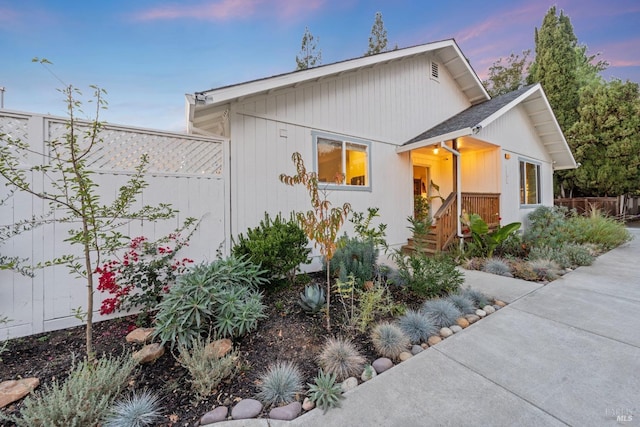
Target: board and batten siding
[(185, 171), (516, 136), (386, 105)]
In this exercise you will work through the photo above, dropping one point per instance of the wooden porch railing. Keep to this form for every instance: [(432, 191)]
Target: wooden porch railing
[(487, 205)]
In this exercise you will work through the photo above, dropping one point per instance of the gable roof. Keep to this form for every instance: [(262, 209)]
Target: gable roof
[(473, 119), (447, 51)]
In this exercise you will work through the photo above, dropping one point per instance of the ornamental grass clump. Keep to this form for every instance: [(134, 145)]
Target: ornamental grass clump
[(280, 384), (139, 410), (325, 392), (479, 299), (442, 313), (497, 266), (340, 357), (389, 340), (207, 368), (417, 326), (599, 229), (546, 269), (462, 303), (83, 399)]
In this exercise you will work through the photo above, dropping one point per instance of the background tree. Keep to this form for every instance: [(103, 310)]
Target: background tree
[(509, 75), (378, 37), (75, 197), (607, 139), (309, 56)]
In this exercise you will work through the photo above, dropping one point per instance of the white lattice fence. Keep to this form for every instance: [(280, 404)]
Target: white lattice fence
[(185, 171)]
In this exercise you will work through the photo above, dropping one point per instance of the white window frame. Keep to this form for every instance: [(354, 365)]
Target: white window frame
[(344, 140), (523, 179)]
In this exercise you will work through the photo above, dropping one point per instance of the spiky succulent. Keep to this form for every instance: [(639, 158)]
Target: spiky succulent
[(313, 299), (280, 384), (389, 340), (464, 304), (417, 326), (340, 357), (138, 410), (325, 392), (441, 312)]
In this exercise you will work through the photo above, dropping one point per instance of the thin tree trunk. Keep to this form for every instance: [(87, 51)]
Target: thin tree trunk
[(89, 270), (328, 295)]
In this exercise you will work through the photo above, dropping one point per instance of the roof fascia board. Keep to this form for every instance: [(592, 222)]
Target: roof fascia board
[(226, 94), (435, 140), (487, 121), (471, 71)]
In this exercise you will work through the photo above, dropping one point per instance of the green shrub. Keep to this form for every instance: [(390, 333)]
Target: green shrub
[(206, 368), (373, 302), (325, 392), (313, 299), (363, 229), (278, 246), (354, 257), (441, 312), (341, 358), (547, 227), (428, 276), (139, 410), (280, 384), (417, 326), (579, 255), (389, 340), (498, 267), (512, 247), (219, 298), (83, 399)]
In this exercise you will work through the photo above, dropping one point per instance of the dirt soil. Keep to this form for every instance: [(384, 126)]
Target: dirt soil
[(287, 334)]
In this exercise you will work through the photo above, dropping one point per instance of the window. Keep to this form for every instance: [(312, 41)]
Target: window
[(529, 183), (342, 162)]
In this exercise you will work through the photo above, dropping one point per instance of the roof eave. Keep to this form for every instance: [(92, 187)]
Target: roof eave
[(434, 140)]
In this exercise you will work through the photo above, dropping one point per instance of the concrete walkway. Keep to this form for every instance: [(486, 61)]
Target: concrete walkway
[(563, 354)]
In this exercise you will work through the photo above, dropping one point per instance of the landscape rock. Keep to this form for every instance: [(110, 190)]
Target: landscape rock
[(288, 412), (433, 340), (246, 408), (140, 335), (462, 322), (349, 384), (149, 353), (481, 313), (415, 349), (472, 318), (13, 390), (489, 309), (404, 356), (219, 348), (445, 332), (382, 364), (368, 373), (308, 404), (424, 345), (496, 307), (455, 329), (500, 303), (218, 414)]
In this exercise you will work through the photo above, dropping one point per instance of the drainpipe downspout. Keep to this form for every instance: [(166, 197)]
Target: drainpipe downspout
[(458, 186)]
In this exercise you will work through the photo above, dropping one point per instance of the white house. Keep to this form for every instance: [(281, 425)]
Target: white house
[(378, 130)]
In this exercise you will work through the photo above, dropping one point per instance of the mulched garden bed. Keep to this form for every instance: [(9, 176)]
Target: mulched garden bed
[(287, 334)]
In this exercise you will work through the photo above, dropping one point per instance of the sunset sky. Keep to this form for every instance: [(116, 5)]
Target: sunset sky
[(148, 53)]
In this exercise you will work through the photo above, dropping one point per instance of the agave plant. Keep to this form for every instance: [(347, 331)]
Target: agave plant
[(313, 299)]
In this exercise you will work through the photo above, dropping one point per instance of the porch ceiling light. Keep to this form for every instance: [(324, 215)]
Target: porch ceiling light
[(435, 150)]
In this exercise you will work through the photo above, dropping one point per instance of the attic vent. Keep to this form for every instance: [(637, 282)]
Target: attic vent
[(435, 72)]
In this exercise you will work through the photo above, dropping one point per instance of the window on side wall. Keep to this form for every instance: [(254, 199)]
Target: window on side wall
[(342, 162), (529, 183)]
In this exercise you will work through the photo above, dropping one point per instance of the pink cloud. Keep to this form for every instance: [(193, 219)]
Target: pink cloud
[(622, 53), (8, 15), (225, 10)]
